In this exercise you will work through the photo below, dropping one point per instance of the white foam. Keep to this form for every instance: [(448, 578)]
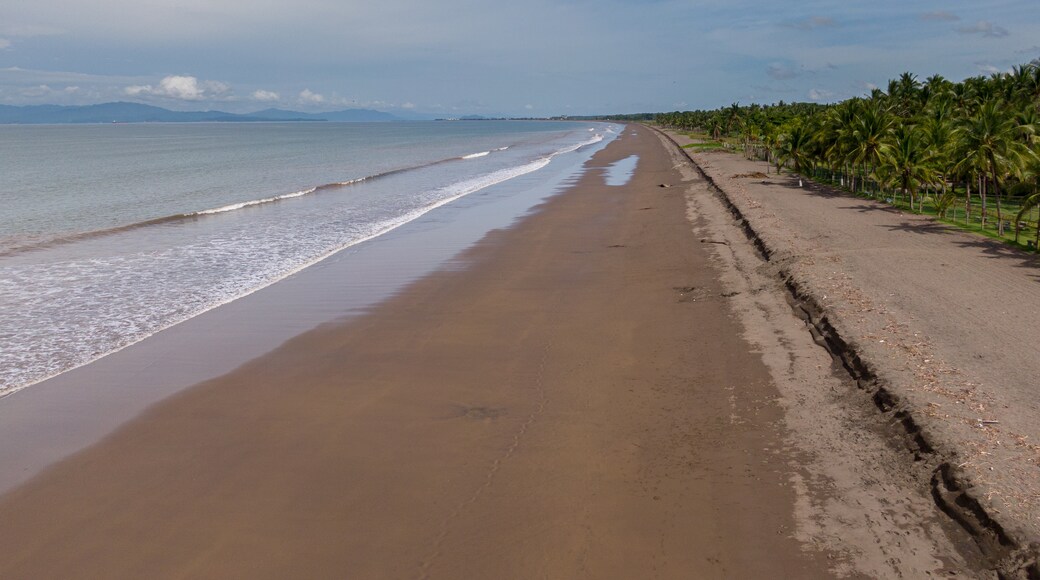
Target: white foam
[(107, 327), (595, 139), (475, 155), (234, 206)]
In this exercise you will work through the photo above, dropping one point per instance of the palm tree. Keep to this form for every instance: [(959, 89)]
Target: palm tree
[(1027, 121), (990, 144), (935, 87), (908, 161), (836, 137), (750, 131), (871, 133), (1024, 85), (715, 127), (983, 132), (772, 142), (796, 145), (732, 117), (904, 93), (939, 135)]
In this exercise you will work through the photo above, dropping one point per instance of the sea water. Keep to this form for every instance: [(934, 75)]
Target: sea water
[(111, 233)]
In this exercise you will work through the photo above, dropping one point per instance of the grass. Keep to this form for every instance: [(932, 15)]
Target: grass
[(704, 142), (707, 146), (956, 215)]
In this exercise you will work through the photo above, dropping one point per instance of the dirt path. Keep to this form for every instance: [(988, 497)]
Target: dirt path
[(601, 392), (947, 324)]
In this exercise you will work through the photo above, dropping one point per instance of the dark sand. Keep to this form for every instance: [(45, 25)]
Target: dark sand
[(581, 401)]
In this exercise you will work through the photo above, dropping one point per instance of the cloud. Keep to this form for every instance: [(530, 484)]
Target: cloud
[(989, 68), (4, 43), (408, 105), (986, 29), (781, 72), (939, 16), (185, 88), (812, 23), (23, 86), (409, 49), (311, 98), (266, 96), (37, 91), (820, 95), (528, 107)]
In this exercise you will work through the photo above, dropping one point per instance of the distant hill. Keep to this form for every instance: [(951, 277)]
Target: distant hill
[(122, 112)]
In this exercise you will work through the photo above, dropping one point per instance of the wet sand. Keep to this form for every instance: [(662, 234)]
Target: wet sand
[(62, 415), (581, 400)]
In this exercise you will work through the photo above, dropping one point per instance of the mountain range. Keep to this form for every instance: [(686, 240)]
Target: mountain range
[(122, 112)]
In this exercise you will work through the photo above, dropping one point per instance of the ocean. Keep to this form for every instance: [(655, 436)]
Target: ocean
[(111, 233)]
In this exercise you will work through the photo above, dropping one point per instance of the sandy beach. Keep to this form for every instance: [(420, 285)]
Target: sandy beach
[(615, 387), (939, 327)]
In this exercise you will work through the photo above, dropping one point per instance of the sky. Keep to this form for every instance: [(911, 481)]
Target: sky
[(516, 58)]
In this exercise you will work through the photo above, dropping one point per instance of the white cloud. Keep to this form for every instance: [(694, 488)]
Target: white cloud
[(528, 107), (989, 68), (4, 43), (408, 106), (266, 96), (185, 88), (413, 49), (986, 29), (37, 91), (311, 98), (69, 87)]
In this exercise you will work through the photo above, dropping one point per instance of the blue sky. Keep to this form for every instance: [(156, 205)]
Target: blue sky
[(521, 57)]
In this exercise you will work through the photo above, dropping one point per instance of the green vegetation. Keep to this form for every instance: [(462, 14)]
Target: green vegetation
[(967, 153), (707, 146)]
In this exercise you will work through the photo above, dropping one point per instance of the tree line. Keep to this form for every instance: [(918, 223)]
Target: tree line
[(936, 145)]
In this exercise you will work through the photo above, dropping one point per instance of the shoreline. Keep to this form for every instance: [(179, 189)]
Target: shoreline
[(590, 395), (132, 272), (324, 458), (51, 419)]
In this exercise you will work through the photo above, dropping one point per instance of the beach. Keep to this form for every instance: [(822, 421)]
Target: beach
[(612, 387), (938, 327)]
